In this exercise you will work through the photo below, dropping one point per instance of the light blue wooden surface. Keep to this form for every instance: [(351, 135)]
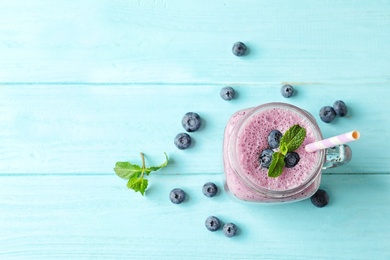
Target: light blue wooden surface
[(87, 128), (84, 84)]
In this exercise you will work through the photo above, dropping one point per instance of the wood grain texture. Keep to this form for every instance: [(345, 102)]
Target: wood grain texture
[(87, 128), (96, 217), (84, 84), (169, 41)]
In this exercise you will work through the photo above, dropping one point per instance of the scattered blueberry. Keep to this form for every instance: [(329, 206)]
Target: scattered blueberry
[(340, 108), (291, 159), (320, 198), (274, 138), (227, 93), (182, 141), (191, 122), (210, 189), (266, 158), (177, 196), (327, 114), (287, 90), (229, 229), (239, 49), (212, 223)]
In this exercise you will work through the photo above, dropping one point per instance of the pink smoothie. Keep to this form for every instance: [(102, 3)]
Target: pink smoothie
[(251, 139)]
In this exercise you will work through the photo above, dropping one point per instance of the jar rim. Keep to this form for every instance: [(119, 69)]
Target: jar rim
[(233, 158)]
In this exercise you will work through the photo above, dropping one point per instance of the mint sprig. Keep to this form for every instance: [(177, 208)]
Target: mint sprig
[(291, 140), (135, 174)]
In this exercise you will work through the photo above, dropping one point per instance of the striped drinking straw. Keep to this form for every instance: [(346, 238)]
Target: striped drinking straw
[(333, 141)]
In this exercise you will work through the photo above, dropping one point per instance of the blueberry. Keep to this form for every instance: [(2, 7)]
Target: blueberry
[(320, 198), (229, 229), (239, 49), (191, 122), (227, 93), (182, 141), (177, 196), (210, 189), (266, 158), (291, 159), (212, 223), (287, 90), (327, 114), (274, 138), (340, 108)]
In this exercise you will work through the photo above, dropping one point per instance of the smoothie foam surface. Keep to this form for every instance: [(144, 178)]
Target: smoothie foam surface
[(252, 140)]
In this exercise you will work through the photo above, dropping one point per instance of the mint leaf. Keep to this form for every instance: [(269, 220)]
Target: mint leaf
[(127, 170), (277, 165), (156, 168), (292, 139), (283, 148), (138, 184), (135, 173)]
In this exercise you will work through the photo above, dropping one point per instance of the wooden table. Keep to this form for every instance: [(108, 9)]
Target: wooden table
[(84, 84)]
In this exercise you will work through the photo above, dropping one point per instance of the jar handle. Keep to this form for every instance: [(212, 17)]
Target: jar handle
[(337, 156)]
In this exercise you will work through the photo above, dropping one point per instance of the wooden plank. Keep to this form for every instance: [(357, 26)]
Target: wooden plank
[(87, 128), (81, 217), (172, 41)]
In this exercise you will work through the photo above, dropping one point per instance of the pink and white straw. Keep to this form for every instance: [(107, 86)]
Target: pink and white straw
[(333, 141)]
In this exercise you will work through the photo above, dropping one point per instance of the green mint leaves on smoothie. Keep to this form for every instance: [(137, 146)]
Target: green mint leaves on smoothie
[(290, 141), (135, 174), (277, 165)]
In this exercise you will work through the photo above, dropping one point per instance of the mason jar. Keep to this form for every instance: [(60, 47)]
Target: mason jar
[(245, 137)]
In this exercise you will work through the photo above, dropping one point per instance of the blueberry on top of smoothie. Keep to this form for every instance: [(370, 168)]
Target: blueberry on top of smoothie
[(266, 158), (291, 159), (274, 138)]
